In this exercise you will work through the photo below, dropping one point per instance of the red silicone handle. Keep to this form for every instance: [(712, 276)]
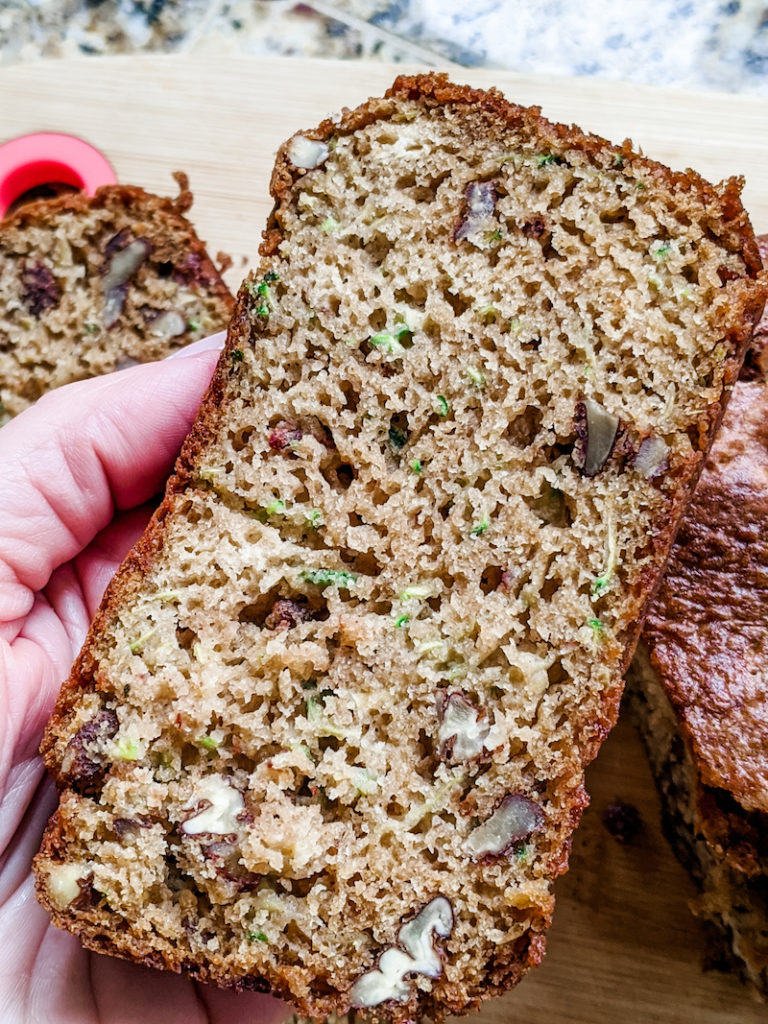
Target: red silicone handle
[(46, 157)]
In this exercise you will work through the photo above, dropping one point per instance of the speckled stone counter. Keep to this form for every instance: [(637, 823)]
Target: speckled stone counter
[(696, 44)]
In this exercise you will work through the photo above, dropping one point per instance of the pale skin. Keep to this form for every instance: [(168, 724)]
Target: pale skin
[(79, 473)]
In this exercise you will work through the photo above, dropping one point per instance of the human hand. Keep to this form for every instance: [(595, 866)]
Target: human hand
[(76, 470)]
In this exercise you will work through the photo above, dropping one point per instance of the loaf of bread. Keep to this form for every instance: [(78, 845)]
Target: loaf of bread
[(93, 284), (698, 680), (328, 731)]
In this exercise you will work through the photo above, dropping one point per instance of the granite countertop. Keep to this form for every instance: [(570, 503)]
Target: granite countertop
[(695, 44)]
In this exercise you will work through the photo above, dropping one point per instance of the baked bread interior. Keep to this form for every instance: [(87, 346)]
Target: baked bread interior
[(328, 731), (94, 284)]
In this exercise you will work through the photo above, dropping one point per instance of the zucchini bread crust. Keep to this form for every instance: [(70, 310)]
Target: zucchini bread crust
[(461, 408)]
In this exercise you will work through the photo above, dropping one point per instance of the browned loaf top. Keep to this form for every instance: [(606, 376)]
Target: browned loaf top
[(708, 628), (93, 284), (328, 731), (698, 680)]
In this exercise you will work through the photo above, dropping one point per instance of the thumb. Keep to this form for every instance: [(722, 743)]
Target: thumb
[(81, 453)]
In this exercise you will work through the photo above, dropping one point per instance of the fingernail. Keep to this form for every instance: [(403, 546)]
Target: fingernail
[(214, 343)]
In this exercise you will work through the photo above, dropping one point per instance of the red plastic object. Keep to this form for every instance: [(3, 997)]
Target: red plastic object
[(33, 160)]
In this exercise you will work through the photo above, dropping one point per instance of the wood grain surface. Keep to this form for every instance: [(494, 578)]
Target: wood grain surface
[(624, 948)]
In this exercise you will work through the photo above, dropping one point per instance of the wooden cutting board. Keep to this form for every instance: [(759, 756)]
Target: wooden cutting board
[(623, 949)]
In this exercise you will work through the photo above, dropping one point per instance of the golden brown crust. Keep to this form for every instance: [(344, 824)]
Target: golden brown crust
[(729, 224), (706, 631)]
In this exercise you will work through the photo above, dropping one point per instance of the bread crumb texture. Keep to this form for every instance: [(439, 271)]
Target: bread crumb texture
[(328, 732), (91, 285)]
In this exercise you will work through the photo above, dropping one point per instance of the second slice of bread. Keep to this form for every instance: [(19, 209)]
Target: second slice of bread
[(697, 682), (328, 732), (92, 284)]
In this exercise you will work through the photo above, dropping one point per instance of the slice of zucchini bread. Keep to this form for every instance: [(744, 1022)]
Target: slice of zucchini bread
[(327, 734), (697, 682), (93, 284)]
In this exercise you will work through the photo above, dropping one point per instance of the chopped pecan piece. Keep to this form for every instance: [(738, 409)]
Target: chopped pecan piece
[(225, 857), (122, 262), (195, 270), (123, 825), (118, 242), (83, 763), (516, 818), (508, 581), (307, 153), (479, 210), (40, 290), (88, 897), (216, 808), (168, 324), (534, 228), (596, 431), (416, 954), (283, 436), (286, 614), (652, 459), (463, 727)]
